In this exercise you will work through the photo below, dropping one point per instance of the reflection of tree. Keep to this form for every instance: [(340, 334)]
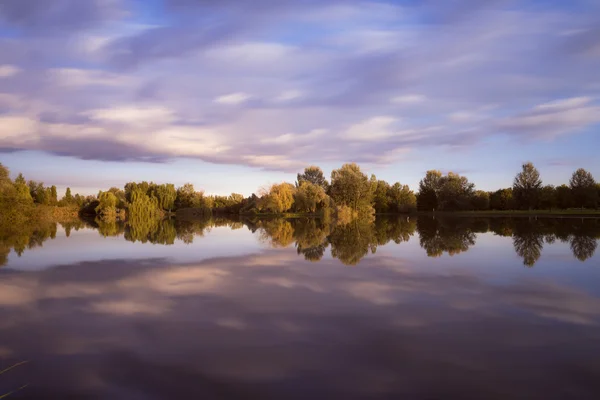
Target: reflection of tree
[(21, 237), (311, 238), (396, 228), (583, 247), (151, 230), (109, 227), (451, 235), (352, 241), (278, 232)]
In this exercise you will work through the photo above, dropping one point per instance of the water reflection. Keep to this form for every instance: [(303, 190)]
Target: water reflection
[(349, 243), (236, 327)]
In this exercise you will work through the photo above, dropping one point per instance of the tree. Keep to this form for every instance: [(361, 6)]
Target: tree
[(53, 195), (548, 199), (185, 196), (564, 197), (280, 198), (427, 199), (166, 196), (310, 197), (455, 192), (381, 198), (351, 188), (527, 186), (481, 200), (584, 190), (107, 206), (314, 175), (502, 199), (68, 197), (401, 198)]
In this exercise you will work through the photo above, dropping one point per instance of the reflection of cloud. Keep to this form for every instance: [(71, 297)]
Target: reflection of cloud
[(153, 327)]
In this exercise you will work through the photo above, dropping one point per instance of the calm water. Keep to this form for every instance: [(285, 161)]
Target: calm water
[(399, 308)]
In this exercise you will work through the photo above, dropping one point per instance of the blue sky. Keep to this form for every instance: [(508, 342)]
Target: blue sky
[(236, 95)]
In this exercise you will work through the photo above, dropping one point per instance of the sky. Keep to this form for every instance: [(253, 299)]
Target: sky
[(235, 95)]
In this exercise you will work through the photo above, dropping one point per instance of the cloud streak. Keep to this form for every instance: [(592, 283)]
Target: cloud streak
[(227, 82)]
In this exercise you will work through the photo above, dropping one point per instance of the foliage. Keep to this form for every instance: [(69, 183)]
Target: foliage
[(310, 197), (280, 198), (352, 188), (314, 175), (502, 199), (584, 190), (526, 187)]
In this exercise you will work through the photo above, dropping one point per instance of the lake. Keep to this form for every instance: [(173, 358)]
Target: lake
[(415, 308)]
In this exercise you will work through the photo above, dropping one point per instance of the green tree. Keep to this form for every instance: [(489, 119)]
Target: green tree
[(381, 199), (548, 199), (427, 198), (310, 197), (401, 199), (502, 199), (455, 192), (314, 175), (527, 186), (166, 196), (186, 197), (68, 197), (481, 200), (564, 197), (584, 190), (53, 195), (352, 188)]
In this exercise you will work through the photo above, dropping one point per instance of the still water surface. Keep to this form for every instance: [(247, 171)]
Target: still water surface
[(427, 308)]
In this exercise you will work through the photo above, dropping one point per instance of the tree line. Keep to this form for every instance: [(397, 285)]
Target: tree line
[(349, 193), (453, 192)]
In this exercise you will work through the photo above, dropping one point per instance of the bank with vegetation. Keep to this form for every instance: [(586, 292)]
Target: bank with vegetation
[(348, 194)]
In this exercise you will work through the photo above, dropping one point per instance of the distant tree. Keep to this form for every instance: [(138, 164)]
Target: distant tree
[(314, 175), (185, 197), (564, 197), (427, 198), (401, 198), (352, 188), (20, 180), (481, 200), (310, 197), (68, 197), (527, 186), (583, 186), (166, 195), (280, 198), (502, 199), (455, 192), (53, 195), (381, 197), (548, 199), (107, 206)]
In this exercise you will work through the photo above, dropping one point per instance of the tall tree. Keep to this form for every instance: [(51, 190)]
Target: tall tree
[(351, 188), (310, 197), (401, 198), (53, 195), (280, 198), (583, 186), (526, 187), (314, 175), (427, 198), (502, 199), (455, 192)]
